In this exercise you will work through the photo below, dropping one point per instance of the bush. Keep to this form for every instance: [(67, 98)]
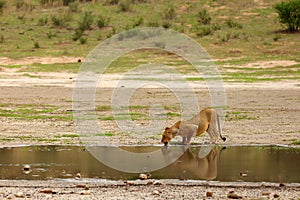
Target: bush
[(203, 17), (83, 40), (102, 21), (57, 21), (73, 7), (232, 24), (125, 5), (289, 14), (1, 39), (204, 31), (86, 22), (42, 21), (166, 24), (78, 34), (153, 24), (169, 12), (36, 45), (138, 22), (2, 4), (67, 2), (111, 2)]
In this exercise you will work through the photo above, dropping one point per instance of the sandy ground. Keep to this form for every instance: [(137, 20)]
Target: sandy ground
[(257, 113)]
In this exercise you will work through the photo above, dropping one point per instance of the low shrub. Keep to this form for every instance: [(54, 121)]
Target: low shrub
[(289, 14), (203, 17)]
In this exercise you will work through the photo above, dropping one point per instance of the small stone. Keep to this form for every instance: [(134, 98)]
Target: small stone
[(46, 191), (26, 167), (209, 194), (78, 176), (242, 174), (266, 193), (157, 183), (155, 192), (9, 196), (85, 192), (150, 183), (129, 183), (281, 185), (233, 195), (144, 176), (82, 186), (276, 196), (20, 195)]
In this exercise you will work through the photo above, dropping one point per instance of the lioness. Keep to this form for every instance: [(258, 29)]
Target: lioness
[(206, 120)]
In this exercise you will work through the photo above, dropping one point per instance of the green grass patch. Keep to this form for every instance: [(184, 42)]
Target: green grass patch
[(238, 32), (32, 112), (105, 134), (70, 136), (31, 75), (239, 115), (172, 114)]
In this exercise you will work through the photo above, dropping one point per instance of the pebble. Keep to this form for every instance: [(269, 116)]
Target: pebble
[(26, 169), (276, 196), (78, 176), (47, 191), (233, 195), (20, 195), (242, 174), (82, 186), (155, 192), (209, 194), (85, 192), (266, 193), (144, 176), (281, 185)]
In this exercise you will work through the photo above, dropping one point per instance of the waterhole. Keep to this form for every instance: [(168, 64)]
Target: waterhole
[(230, 163)]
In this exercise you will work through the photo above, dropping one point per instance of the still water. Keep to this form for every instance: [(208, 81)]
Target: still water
[(230, 163)]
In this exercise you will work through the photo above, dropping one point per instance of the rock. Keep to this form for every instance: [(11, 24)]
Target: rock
[(233, 195), (78, 176), (82, 186), (26, 169), (281, 185), (155, 192), (266, 193), (20, 195), (9, 196), (150, 183), (157, 183), (47, 191), (144, 176), (209, 194), (85, 192), (242, 174), (129, 183), (276, 196)]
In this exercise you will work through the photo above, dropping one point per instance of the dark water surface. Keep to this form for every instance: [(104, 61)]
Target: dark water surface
[(233, 163)]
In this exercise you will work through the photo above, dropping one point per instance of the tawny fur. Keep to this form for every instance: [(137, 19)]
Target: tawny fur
[(207, 120)]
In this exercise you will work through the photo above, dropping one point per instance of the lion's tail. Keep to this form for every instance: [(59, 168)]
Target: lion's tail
[(219, 127)]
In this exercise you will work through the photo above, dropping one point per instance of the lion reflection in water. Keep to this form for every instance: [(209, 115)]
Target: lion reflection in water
[(191, 162)]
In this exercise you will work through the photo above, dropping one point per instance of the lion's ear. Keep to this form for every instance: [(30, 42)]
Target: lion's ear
[(167, 128)]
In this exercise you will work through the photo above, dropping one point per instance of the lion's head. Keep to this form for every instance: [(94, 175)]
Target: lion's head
[(167, 136)]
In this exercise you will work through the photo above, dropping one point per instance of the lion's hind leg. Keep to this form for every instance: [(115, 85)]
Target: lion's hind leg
[(213, 134)]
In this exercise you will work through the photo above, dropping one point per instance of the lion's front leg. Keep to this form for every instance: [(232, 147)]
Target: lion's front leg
[(189, 137), (184, 140)]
